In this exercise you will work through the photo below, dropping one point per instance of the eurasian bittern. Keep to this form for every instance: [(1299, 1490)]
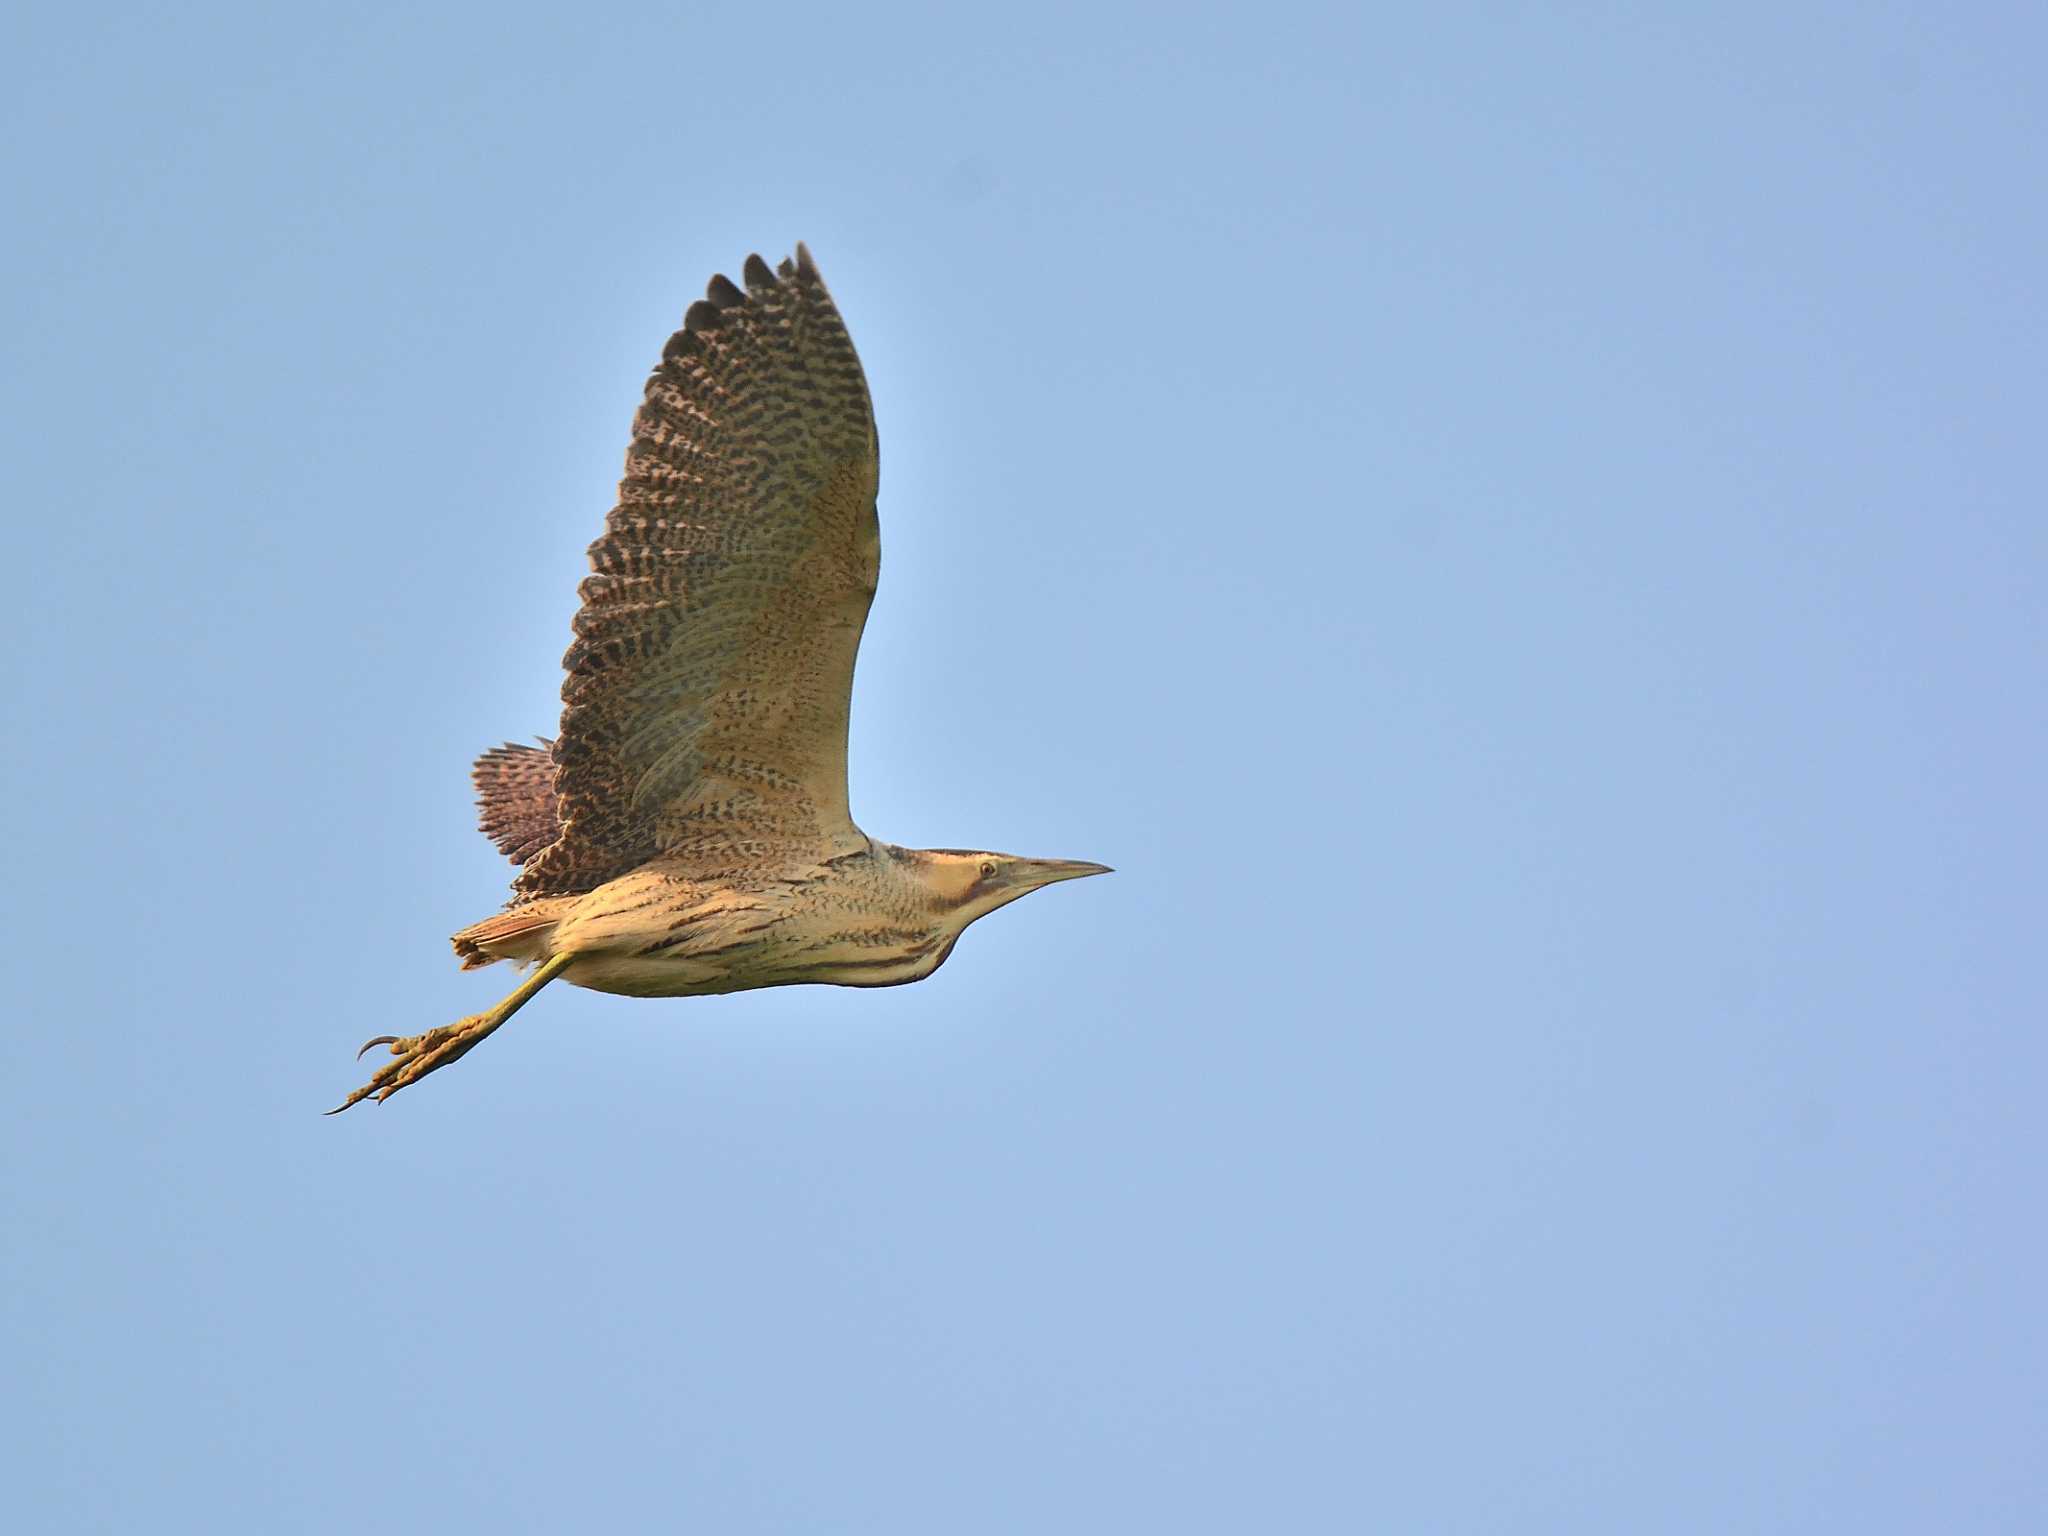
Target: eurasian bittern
[(687, 831)]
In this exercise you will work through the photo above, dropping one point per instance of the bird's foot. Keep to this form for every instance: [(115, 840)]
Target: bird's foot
[(418, 1055)]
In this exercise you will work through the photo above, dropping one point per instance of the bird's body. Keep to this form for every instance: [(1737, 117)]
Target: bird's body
[(871, 918), (688, 832)]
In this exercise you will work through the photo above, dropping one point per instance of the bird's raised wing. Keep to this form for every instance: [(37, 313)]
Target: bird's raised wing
[(705, 709)]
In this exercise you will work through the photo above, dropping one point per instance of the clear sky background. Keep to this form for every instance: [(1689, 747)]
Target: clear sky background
[(1519, 530)]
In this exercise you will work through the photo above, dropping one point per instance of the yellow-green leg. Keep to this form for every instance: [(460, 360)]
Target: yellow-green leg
[(420, 1054)]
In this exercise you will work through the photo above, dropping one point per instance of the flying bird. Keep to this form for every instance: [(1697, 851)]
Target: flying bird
[(687, 831)]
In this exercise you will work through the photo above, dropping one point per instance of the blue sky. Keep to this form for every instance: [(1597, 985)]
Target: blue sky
[(1517, 529)]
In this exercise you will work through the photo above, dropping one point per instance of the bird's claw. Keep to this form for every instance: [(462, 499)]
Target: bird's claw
[(416, 1056)]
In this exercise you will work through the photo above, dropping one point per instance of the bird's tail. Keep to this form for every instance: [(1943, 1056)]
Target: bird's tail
[(520, 934), (515, 799)]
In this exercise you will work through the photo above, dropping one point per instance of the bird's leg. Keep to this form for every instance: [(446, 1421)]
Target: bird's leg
[(420, 1054)]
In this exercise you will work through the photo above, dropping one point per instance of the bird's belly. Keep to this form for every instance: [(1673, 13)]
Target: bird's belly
[(653, 934), (683, 975), (630, 975)]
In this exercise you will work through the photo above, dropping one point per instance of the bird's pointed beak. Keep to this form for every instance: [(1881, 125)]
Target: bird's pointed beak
[(1038, 872)]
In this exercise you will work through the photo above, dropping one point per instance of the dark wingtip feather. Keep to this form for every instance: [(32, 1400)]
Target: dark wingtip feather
[(804, 265), (757, 274), (723, 292), (702, 316)]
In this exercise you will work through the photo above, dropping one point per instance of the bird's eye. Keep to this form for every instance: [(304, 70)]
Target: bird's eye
[(988, 869)]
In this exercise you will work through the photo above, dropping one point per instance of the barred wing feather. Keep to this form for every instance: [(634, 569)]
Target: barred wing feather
[(705, 709)]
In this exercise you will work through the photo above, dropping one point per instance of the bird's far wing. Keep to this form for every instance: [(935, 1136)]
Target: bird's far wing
[(515, 798), (705, 708)]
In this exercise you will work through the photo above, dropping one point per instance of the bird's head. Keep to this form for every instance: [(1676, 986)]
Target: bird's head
[(968, 885)]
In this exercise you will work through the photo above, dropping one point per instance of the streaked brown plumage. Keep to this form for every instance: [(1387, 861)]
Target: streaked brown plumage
[(687, 832)]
